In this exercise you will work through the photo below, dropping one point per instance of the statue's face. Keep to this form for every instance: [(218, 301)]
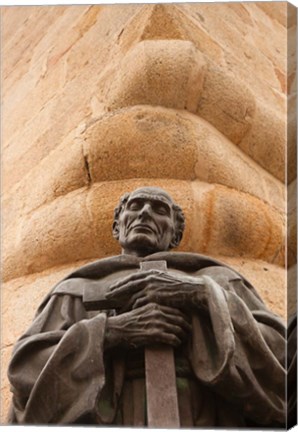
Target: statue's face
[(146, 225)]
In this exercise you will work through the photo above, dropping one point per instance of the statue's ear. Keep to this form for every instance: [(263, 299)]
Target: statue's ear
[(176, 240), (116, 230)]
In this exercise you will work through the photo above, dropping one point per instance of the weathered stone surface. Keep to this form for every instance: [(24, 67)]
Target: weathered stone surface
[(117, 145), (61, 172), (227, 104), (236, 224), (50, 236), (114, 148), (275, 12), (59, 72), (238, 30), (168, 73), (47, 94), (268, 132), (190, 149), (219, 161)]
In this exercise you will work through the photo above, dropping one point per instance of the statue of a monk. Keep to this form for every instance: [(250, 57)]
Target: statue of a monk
[(75, 366)]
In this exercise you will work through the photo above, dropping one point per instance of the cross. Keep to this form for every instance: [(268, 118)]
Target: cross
[(161, 389)]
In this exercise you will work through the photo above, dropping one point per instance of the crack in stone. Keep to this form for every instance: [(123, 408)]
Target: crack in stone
[(6, 345), (86, 163)]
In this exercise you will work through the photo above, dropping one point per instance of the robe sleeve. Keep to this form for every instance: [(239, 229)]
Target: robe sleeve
[(238, 349), (57, 368)]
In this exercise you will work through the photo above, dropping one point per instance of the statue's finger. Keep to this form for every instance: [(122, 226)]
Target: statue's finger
[(169, 339), (133, 277), (125, 290), (181, 322), (140, 302), (162, 336), (175, 330)]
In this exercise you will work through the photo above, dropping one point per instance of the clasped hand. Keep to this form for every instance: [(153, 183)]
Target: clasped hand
[(155, 308), (155, 286)]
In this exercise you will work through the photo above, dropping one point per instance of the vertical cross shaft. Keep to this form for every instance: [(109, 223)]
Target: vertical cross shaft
[(161, 390)]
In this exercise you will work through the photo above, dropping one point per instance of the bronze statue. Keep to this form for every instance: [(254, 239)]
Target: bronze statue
[(77, 365)]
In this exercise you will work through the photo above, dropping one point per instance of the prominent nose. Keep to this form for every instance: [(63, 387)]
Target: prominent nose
[(146, 210)]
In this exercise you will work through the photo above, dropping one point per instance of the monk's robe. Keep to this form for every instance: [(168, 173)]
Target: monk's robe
[(230, 371)]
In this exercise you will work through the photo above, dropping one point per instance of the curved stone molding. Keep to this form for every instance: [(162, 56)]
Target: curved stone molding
[(236, 224), (168, 73), (174, 74), (132, 143), (219, 221), (190, 148), (57, 91), (227, 103), (115, 147), (266, 141), (62, 171)]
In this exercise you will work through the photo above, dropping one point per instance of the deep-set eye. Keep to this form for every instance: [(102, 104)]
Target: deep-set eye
[(162, 210), (134, 206)]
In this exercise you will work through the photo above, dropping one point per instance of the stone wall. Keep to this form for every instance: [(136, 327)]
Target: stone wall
[(100, 99)]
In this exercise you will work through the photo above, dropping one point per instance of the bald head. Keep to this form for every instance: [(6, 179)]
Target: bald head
[(154, 192), (152, 219)]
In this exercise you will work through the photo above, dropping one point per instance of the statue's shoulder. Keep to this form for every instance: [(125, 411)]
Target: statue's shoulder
[(199, 264), (75, 282), (194, 262), (221, 272), (99, 269)]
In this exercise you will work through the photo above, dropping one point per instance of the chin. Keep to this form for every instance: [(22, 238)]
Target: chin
[(142, 243)]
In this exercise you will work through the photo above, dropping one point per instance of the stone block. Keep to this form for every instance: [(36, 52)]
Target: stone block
[(37, 143), (117, 145), (233, 223), (266, 141), (50, 236), (167, 73), (61, 172), (23, 37), (220, 161), (227, 103), (191, 148), (276, 11)]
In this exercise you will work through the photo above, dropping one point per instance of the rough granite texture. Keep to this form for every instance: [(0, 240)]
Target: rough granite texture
[(98, 100)]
